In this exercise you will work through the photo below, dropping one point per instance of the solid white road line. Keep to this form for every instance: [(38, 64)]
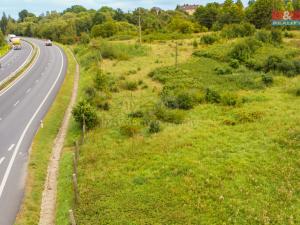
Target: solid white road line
[(11, 147), (1, 160), (11, 162)]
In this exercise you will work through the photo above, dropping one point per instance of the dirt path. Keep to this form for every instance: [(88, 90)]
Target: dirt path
[(47, 215)]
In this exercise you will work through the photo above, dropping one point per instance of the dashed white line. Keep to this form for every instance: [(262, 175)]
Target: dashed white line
[(28, 90), (36, 81), (11, 147), (17, 103), (1, 160)]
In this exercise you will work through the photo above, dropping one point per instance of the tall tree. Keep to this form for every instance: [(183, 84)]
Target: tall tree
[(240, 4), (3, 23), (207, 15), (260, 13)]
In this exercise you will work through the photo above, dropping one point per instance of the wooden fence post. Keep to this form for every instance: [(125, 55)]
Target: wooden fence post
[(75, 186), (72, 217), (75, 164)]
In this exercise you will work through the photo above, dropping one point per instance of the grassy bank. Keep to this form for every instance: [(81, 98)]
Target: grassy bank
[(225, 148), (42, 147), (4, 49)]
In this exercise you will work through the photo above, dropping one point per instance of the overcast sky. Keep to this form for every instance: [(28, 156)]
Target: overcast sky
[(12, 7)]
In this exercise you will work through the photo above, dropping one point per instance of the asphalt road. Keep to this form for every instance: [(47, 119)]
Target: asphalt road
[(22, 107), (14, 60)]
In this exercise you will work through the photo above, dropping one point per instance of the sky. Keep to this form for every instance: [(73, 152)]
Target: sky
[(12, 7)]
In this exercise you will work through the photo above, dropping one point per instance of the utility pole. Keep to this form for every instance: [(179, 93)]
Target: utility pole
[(140, 27)]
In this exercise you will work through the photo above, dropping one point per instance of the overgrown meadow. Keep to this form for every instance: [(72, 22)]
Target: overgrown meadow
[(212, 140)]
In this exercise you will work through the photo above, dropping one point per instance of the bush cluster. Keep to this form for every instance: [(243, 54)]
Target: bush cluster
[(243, 50), (154, 127), (84, 113), (212, 96), (223, 70), (267, 79), (275, 36), (182, 100), (130, 130), (168, 115), (129, 85), (280, 64), (238, 30), (209, 39)]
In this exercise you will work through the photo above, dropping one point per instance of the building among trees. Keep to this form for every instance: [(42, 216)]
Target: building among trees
[(189, 9)]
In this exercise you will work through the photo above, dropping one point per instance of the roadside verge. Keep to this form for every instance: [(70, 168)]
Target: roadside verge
[(42, 146)]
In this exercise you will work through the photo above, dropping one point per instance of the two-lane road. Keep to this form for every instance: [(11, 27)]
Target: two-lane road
[(14, 60), (22, 107)]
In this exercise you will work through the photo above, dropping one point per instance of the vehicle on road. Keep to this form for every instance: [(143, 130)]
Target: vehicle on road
[(16, 43), (11, 37), (48, 43)]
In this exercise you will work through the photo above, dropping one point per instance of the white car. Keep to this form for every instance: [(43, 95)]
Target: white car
[(48, 43)]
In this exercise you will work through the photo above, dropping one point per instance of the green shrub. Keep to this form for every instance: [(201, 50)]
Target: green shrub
[(90, 93), (276, 36), (212, 96), (84, 113), (209, 39), (129, 130), (178, 99), (105, 106), (263, 36), (136, 114), (84, 38), (129, 85), (185, 101), (238, 30), (286, 66), (255, 64), (195, 44), (167, 115), (297, 66), (288, 35), (229, 99), (235, 64), (267, 79), (243, 50), (154, 127), (223, 70), (298, 92), (101, 81)]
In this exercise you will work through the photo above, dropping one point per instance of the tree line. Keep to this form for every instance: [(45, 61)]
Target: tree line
[(78, 24)]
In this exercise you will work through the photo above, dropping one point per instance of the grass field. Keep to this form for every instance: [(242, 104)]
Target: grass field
[(42, 148), (231, 161)]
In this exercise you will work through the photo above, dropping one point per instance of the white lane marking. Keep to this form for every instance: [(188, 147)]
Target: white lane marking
[(11, 162), (0, 118), (1, 160), (16, 103), (36, 81), (23, 75), (28, 90), (11, 147)]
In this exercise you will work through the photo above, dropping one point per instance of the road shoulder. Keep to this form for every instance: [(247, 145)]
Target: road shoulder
[(41, 150)]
